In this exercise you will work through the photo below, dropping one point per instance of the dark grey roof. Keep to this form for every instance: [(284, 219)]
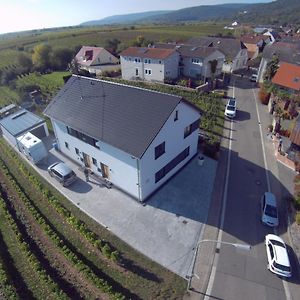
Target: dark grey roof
[(20, 122), (287, 52), (125, 117), (189, 50), (229, 46)]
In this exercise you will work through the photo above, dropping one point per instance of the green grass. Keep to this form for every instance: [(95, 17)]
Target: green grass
[(8, 58), (48, 83), (7, 95)]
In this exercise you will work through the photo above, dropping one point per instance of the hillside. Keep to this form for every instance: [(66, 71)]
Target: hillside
[(123, 19), (277, 12)]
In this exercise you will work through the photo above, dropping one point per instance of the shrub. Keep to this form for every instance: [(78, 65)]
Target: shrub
[(264, 96), (298, 218)]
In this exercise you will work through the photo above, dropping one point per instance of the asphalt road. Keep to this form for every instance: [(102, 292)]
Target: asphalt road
[(242, 274)]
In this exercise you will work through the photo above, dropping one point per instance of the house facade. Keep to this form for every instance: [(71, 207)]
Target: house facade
[(235, 51), (195, 61), (96, 59), (136, 138), (149, 64)]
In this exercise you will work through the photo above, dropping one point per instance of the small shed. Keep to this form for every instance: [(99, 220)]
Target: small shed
[(17, 123), (33, 148)]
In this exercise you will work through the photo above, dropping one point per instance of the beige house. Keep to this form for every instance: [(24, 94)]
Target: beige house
[(96, 59)]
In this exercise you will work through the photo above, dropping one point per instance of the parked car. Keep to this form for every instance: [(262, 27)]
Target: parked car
[(253, 78), (278, 259), (230, 110), (269, 211), (62, 173)]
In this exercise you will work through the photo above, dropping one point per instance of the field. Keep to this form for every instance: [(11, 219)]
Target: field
[(49, 248)]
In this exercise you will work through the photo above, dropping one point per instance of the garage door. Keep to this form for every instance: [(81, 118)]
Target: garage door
[(39, 132)]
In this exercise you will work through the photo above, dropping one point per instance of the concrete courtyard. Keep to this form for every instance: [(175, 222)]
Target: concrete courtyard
[(166, 229)]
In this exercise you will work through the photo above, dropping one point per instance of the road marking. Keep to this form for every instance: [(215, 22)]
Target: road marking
[(285, 284), (224, 203)]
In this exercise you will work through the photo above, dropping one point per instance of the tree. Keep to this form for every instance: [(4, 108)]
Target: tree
[(24, 61), (112, 44), (61, 58), (41, 57), (272, 67), (74, 67)]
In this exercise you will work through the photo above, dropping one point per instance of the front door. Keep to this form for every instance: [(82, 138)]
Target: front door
[(105, 171), (87, 160)]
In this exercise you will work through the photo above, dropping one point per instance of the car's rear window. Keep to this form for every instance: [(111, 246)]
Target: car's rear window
[(71, 174), (271, 211)]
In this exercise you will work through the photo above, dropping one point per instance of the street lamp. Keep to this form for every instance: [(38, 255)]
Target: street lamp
[(244, 247)]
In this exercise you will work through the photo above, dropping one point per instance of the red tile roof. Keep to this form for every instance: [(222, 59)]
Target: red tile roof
[(288, 75), (155, 53), (251, 39)]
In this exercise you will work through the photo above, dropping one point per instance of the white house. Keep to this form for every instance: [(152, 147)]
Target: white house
[(136, 138), (149, 63), (96, 59), (195, 61), (236, 55)]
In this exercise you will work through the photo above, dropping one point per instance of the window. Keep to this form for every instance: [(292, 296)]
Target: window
[(94, 161), (195, 60), (136, 72), (191, 128), (77, 151), (67, 145), (160, 150), (160, 62), (136, 60), (147, 61), (172, 164), (176, 116), (83, 137), (148, 71)]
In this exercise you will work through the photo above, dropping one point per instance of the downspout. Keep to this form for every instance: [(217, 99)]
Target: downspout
[(139, 178)]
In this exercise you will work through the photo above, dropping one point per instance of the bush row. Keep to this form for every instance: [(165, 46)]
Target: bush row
[(5, 286), (77, 224), (59, 242), (33, 261)]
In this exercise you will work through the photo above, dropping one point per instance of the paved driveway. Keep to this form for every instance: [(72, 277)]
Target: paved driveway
[(166, 229)]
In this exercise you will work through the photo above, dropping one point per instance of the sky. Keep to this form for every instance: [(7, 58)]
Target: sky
[(19, 15)]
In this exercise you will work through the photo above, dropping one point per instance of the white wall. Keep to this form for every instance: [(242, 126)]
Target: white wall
[(12, 140), (122, 168), (173, 135)]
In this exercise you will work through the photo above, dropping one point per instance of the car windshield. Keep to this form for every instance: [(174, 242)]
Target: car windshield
[(282, 267), (271, 211), (232, 108), (277, 243)]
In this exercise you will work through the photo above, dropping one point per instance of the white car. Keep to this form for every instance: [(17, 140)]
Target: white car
[(278, 259), (253, 78), (269, 211), (230, 110)]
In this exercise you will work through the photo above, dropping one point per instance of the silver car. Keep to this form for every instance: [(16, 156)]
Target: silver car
[(62, 173), (269, 211)]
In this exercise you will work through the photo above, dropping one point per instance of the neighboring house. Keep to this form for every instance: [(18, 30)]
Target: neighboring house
[(96, 59), (273, 35), (149, 64), (15, 122), (286, 51), (236, 55), (288, 77), (254, 44), (196, 61), (136, 138)]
